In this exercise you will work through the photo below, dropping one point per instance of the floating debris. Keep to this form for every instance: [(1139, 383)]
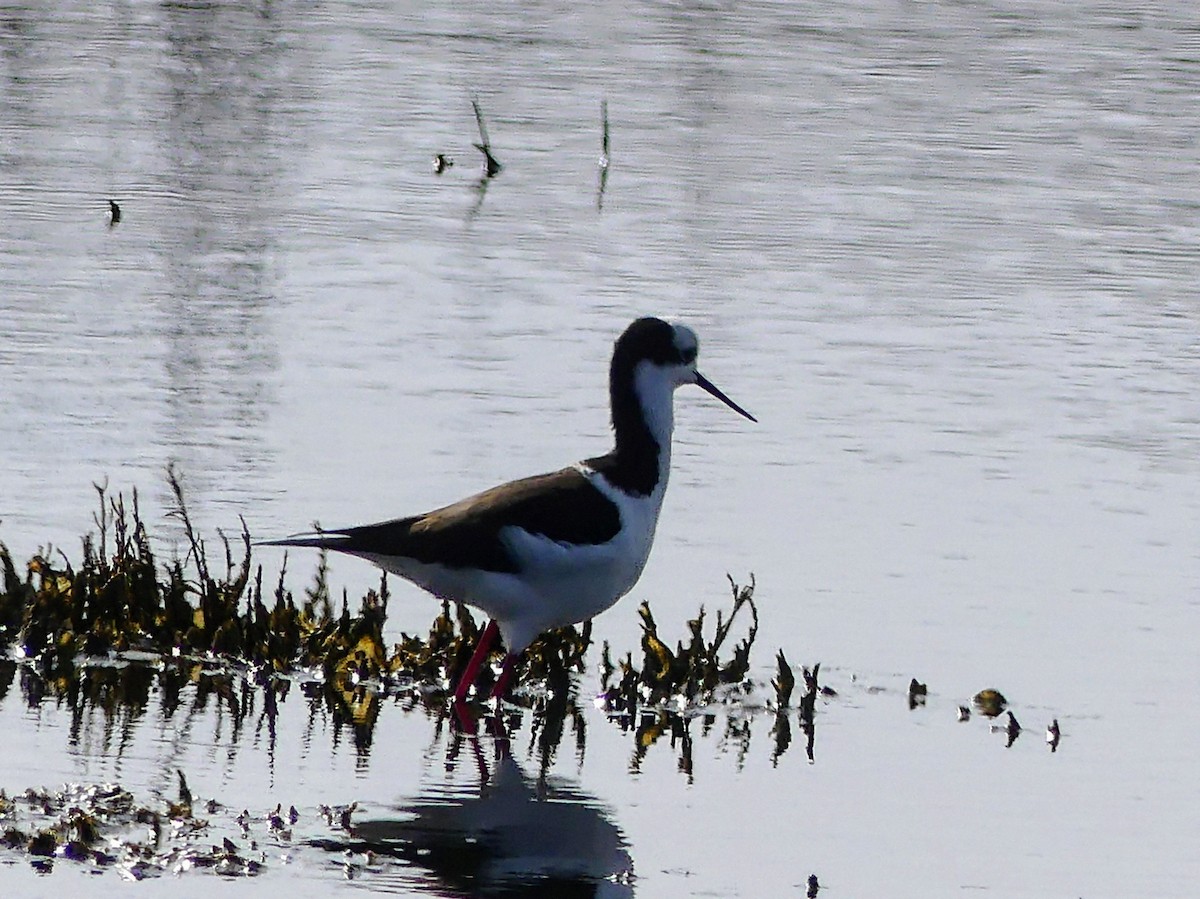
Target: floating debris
[(813, 886), (781, 730), (990, 703), (103, 826), (1053, 735), (183, 808), (784, 682), (964, 713), (808, 702), (916, 693), (808, 710), (338, 816), (602, 162), (275, 822), (441, 162), (114, 213), (491, 166), (1012, 729)]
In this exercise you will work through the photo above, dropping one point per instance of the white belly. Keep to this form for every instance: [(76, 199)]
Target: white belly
[(558, 584)]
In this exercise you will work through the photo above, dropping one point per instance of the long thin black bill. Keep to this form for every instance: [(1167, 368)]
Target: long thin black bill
[(712, 388)]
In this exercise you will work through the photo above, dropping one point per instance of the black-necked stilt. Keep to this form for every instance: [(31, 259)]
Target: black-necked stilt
[(554, 549)]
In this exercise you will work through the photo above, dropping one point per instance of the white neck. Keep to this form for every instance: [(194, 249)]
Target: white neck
[(655, 389)]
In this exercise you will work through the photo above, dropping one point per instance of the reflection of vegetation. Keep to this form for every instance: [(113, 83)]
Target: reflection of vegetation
[(674, 688)]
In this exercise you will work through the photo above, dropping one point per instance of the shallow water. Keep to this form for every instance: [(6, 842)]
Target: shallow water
[(946, 253)]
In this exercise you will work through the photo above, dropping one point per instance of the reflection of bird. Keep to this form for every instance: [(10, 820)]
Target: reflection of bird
[(553, 549), (509, 836)]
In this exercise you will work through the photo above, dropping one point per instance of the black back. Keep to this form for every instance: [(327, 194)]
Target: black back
[(563, 506)]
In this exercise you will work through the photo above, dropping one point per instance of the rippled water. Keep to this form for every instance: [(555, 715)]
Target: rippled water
[(945, 252)]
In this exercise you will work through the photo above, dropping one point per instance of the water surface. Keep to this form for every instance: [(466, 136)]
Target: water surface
[(945, 252)]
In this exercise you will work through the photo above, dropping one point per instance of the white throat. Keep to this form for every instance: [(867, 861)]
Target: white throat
[(655, 388)]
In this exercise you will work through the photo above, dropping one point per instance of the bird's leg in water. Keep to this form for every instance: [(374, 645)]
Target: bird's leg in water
[(486, 639), (506, 675)]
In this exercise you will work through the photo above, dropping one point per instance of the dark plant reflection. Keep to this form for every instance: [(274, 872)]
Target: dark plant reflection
[(108, 699), (75, 633), (495, 818)]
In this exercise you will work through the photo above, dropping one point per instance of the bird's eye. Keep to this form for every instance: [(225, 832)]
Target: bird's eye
[(688, 355)]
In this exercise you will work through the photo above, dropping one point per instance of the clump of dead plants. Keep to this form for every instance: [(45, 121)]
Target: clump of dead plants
[(694, 668), (104, 827)]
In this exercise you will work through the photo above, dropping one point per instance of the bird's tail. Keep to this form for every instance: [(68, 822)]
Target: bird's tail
[(317, 540), (388, 538)]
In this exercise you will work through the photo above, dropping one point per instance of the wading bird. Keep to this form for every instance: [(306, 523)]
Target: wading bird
[(553, 549)]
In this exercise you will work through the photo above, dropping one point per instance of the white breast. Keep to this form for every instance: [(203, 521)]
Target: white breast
[(559, 583)]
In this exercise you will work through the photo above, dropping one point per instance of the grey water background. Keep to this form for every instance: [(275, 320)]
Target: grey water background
[(946, 252)]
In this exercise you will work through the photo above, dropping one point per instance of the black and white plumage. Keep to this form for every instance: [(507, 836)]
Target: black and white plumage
[(558, 548)]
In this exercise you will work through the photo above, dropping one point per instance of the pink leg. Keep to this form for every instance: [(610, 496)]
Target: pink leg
[(506, 676), (486, 639)]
